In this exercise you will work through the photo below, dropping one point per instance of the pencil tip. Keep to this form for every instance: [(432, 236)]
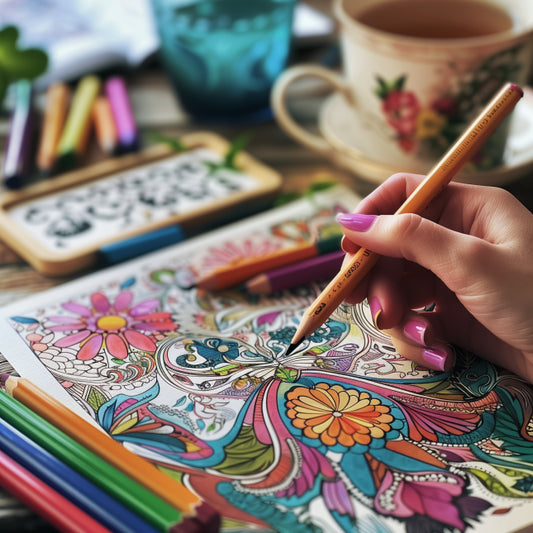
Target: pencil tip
[(293, 346), (3, 379), (205, 520)]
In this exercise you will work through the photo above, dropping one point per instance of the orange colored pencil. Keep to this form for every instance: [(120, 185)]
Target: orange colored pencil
[(108, 449), (44, 500), (104, 125), (243, 269), (55, 112), (438, 178)]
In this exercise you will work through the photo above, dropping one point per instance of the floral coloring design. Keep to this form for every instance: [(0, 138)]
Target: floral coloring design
[(112, 326), (338, 416), (343, 435)]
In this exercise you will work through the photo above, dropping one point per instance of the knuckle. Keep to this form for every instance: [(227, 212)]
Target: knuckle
[(404, 233)]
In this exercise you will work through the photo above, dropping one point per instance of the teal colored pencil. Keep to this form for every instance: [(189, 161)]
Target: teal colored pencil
[(143, 502)]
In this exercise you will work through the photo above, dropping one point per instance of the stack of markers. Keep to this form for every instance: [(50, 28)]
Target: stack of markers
[(68, 120), (80, 479)]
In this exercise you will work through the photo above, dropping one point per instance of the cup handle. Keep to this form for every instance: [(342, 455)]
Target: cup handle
[(281, 112)]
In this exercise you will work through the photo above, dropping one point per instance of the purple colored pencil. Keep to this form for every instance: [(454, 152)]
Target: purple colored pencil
[(17, 155), (127, 132), (315, 269)]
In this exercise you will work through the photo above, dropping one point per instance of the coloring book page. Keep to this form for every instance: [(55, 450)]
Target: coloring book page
[(343, 435)]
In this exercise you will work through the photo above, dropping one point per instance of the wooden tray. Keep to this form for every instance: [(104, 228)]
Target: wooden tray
[(60, 225)]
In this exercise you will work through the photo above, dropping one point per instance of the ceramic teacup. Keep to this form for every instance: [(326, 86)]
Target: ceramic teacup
[(417, 72)]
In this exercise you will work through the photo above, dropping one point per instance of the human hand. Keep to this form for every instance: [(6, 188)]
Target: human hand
[(471, 254)]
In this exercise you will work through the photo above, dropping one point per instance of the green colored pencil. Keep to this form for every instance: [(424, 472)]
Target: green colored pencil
[(143, 502)]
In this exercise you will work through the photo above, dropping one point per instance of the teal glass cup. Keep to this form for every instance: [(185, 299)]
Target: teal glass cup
[(223, 56)]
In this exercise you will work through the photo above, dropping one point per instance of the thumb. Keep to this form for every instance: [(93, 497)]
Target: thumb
[(450, 255)]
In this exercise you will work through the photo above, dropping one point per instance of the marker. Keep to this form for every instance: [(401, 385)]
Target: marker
[(104, 125), (44, 500), (164, 490), (117, 93), (73, 140), (55, 112), (67, 482), (17, 155), (298, 274), (437, 180), (117, 252)]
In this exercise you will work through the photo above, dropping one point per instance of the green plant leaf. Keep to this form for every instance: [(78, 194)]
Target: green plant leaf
[(4, 83), (319, 186), (237, 146), (175, 144), (20, 63), (286, 198)]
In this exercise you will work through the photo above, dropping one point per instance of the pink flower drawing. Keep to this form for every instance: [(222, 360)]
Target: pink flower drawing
[(113, 326)]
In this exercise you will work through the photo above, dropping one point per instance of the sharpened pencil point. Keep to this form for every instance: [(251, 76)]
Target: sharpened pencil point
[(205, 520), (3, 379), (293, 347)]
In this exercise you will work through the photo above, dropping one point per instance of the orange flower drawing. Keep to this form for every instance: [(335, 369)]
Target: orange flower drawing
[(336, 415)]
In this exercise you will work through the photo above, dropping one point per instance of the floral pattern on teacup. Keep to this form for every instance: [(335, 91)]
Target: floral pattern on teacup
[(431, 129)]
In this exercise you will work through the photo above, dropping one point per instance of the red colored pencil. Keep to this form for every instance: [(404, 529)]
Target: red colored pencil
[(45, 501)]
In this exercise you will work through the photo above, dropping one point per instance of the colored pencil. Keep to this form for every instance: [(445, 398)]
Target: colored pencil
[(119, 251), (438, 178), (104, 125), (242, 270), (55, 112), (73, 140), (45, 501), (114, 453), (16, 165), (67, 482), (295, 275), (148, 506), (117, 93)]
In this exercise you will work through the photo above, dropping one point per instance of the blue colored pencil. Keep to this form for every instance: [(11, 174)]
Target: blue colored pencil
[(67, 482), (140, 500)]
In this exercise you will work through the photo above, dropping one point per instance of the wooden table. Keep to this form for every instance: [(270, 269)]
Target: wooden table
[(150, 91), (157, 110)]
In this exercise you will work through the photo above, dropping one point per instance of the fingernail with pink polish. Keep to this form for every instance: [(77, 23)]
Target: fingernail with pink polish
[(438, 358), (347, 246), (376, 310), (415, 330), (356, 221)]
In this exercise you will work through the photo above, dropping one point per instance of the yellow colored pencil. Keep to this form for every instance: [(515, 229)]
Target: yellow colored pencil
[(73, 138)]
